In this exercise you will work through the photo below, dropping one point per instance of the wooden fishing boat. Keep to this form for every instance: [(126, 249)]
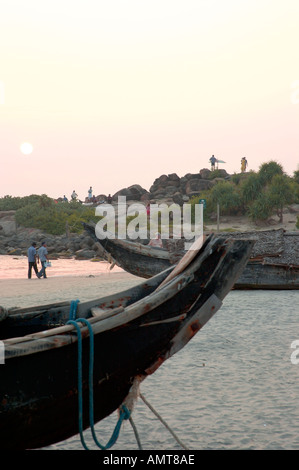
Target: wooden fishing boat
[(274, 263), (133, 333)]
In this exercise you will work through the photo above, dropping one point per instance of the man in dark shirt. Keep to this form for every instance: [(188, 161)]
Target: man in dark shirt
[(32, 260), (43, 257), (213, 160)]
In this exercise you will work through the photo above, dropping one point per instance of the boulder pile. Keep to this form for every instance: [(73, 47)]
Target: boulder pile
[(172, 187)]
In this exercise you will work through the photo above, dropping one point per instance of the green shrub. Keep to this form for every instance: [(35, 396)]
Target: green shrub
[(268, 170), (280, 193), (251, 188), (227, 196), (53, 217), (261, 208), (8, 203), (295, 191)]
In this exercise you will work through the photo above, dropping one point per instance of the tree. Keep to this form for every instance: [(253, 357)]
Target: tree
[(268, 170), (227, 196), (251, 188), (261, 208), (296, 176), (280, 193)]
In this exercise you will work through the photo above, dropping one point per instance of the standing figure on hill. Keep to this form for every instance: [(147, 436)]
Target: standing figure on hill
[(213, 160), (32, 257), (90, 193), (74, 196), (244, 164)]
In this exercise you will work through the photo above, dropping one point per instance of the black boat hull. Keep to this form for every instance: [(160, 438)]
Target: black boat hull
[(38, 383)]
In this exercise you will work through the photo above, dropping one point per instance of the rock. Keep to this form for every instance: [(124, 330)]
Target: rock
[(205, 173), (133, 192), (195, 186), (178, 199), (165, 186), (84, 254), (8, 222), (222, 173)]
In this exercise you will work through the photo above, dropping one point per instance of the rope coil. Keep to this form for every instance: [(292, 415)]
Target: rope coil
[(73, 309), (124, 412)]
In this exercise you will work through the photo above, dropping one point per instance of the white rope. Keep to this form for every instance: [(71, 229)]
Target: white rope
[(163, 422)]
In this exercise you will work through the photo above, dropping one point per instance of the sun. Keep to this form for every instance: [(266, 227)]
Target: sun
[(26, 148)]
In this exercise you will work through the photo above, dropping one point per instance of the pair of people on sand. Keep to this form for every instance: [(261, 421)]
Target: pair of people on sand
[(36, 256)]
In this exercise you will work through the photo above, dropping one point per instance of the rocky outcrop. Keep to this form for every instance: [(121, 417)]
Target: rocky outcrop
[(171, 187), (165, 186), (62, 246), (15, 240), (182, 189)]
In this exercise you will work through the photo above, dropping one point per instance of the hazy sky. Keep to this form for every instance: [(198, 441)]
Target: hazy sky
[(113, 93)]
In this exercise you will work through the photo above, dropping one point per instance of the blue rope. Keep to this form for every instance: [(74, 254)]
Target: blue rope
[(73, 309), (124, 412)]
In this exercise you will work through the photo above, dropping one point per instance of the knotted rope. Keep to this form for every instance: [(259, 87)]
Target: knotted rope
[(124, 412)]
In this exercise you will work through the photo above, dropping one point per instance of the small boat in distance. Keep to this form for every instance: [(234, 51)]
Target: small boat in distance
[(133, 333)]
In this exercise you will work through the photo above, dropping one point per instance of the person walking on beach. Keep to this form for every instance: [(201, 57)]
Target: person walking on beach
[(43, 257), (32, 257), (213, 160)]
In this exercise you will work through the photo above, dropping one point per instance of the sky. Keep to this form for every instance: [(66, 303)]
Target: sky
[(115, 93)]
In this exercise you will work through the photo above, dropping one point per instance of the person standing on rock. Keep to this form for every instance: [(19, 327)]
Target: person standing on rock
[(32, 257), (74, 196), (90, 193), (43, 257), (244, 164), (213, 160)]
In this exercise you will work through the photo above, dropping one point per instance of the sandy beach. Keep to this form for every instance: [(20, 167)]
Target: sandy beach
[(26, 293), (244, 224)]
